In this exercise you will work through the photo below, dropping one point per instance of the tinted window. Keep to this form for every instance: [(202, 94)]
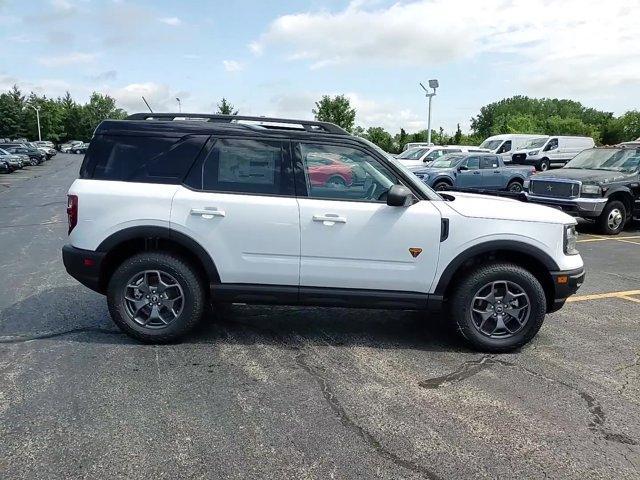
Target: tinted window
[(246, 166), (489, 162), (506, 147), (141, 159), (473, 163), (344, 173)]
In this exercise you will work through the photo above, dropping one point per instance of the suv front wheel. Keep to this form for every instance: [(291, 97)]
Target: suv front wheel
[(155, 297), (498, 307)]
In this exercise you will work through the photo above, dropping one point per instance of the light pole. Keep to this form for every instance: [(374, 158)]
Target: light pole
[(432, 84), (179, 105), (37, 109)]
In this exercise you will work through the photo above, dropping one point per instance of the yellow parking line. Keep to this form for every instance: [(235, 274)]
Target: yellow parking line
[(631, 299), (627, 241), (598, 296), (600, 239)]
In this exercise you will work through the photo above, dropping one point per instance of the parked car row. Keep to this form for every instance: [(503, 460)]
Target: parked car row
[(74, 146), (15, 155)]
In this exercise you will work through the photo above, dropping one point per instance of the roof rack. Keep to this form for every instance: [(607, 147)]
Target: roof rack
[(276, 123)]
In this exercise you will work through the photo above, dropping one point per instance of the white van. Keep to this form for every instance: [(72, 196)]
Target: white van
[(543, 152), (409, 145), (505, 145), (423, 156)]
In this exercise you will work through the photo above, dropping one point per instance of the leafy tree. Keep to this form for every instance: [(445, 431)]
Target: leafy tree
[(381, 138), (551, 116), (226, 108), (457, 136), (336, 110), (623, 128), (12, 114)]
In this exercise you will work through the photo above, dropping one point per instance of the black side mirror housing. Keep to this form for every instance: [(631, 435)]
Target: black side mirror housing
[(399, 196), (463, 168)]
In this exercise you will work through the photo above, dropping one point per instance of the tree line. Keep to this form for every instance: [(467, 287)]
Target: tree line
[(518, 114), (64, 119)]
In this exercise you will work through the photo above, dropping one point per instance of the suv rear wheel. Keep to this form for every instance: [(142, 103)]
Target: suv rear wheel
[(155, 297), (498, 307)]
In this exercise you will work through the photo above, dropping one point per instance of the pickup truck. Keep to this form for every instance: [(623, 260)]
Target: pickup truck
[(599, 184), (473, 171)]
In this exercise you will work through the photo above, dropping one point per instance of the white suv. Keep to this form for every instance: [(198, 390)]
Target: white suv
[(170, 215)]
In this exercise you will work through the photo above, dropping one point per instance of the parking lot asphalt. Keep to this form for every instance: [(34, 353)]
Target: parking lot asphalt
[(264, 392)]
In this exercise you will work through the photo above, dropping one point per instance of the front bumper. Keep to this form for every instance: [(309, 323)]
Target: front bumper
[(578, 207), (84, 266), (565, 284)]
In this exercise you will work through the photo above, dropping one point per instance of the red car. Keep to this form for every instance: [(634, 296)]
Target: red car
[(324, 171)]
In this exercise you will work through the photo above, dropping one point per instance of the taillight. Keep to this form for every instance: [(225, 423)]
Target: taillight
[(72, 211)]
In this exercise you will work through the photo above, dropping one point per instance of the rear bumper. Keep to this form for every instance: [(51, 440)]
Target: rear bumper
[(84, 266), (565, 284), (578, 207)]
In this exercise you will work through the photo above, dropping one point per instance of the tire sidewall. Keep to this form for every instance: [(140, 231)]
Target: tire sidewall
[(542, 163), (461, 306), (184, 275), (439, 186), (602, 220), (512, 184)]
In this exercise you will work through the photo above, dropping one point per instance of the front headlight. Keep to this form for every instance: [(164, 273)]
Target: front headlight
[(533, 152), (591, 189), (570, 240)]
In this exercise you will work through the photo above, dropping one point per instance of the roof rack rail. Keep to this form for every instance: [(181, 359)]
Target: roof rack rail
[(308, 125)]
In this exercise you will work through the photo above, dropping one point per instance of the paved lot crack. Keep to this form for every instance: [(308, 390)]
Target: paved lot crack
[(45, 335), (329, 396), (473, 367), (338, 409)]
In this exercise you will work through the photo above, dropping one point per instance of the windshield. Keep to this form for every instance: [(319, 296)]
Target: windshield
[(536, 143), (491, 144), (447, 161), (412, 154), (613, 159)]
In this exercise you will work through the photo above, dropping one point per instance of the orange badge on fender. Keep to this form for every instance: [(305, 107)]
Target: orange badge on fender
[(414, 251)]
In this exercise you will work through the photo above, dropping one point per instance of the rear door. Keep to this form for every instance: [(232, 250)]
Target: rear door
[(491, 172), (239, 204), (350, 237)]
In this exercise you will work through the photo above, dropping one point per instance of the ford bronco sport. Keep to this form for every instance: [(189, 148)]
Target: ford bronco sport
[(171, 214)]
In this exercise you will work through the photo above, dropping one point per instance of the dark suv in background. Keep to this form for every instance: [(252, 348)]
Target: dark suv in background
[(36, 157)]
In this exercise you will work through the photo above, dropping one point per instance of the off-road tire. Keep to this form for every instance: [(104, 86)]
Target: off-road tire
[(182, 271), (461, 300)]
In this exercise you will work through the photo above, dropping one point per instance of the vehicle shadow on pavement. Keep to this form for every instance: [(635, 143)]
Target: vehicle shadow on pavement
[(79, 315)]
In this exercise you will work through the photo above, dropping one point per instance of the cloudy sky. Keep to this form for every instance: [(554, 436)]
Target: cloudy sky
[(277, 58)]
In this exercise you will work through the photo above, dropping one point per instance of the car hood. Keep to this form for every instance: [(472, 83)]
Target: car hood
[(583, 175), (501, 208)]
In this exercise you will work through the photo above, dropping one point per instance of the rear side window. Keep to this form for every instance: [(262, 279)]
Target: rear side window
[(246, 166), (141, 159)]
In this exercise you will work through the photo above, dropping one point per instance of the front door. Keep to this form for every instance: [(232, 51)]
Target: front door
[(350, 237), (242, 210), (472, 176)]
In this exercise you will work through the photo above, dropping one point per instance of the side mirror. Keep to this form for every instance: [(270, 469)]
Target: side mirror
[(463, 168), (399, 196)]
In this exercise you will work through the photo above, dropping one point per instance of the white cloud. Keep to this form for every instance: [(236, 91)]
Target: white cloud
[(160, 97), (541, 42), (62, 5), (369, 113), (74, 58), (173, 21), (256, 48), (232, 65)]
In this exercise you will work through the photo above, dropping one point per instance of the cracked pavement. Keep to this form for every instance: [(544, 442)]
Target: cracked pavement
[(277, 392)]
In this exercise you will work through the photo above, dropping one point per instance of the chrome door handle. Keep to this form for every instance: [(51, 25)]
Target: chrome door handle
[(329, 218), (207, 212)]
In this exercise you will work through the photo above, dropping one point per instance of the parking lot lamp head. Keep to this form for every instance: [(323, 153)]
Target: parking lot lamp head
[(179, 105)]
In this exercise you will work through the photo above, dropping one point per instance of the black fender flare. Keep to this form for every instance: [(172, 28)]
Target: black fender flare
[(155, 232), (512, 246)]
